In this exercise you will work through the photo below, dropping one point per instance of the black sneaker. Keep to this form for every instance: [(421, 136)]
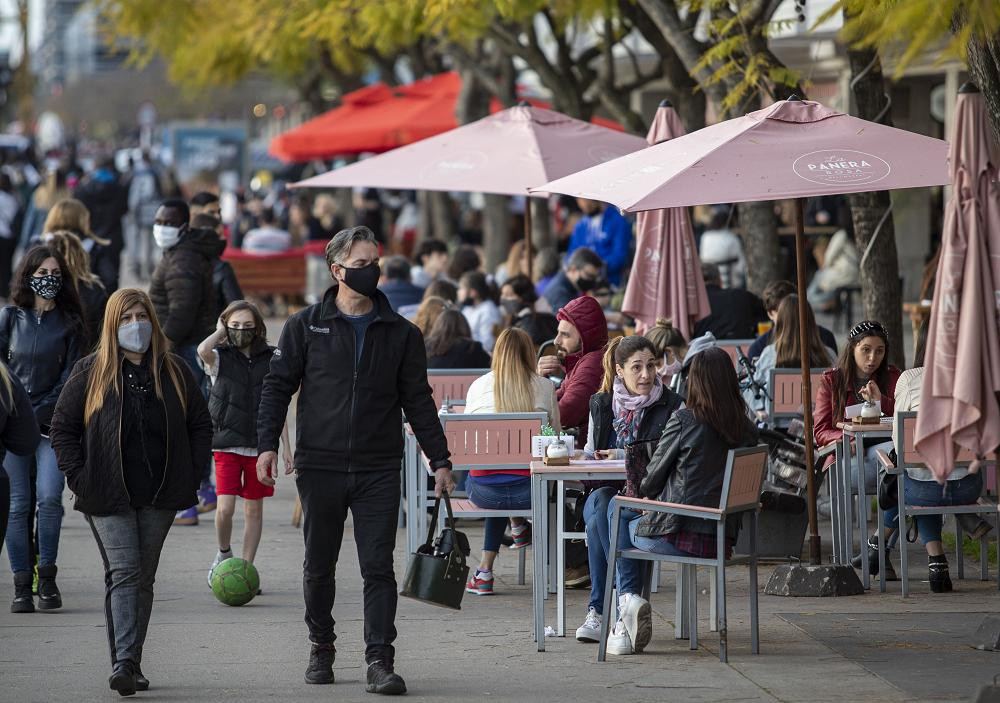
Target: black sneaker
[(383, 680), (23, 601), (141, 682), (320, 670), (49, 597), (123, 679)]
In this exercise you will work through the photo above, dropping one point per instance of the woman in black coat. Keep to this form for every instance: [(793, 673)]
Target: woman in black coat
[(39, 341), (130, 428), (687, 467), (450, 344), (93, 296)]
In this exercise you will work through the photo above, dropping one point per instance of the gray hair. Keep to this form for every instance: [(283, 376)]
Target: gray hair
[(338, 247)]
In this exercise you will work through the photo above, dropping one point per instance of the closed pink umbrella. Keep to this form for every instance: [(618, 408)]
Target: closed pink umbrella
[(666, 275), (791, 149), (961, 408), (505, 153)]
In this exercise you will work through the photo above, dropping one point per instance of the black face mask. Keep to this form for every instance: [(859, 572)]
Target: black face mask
[(467, 302), (584, 284), (240, 338), (363, 280)]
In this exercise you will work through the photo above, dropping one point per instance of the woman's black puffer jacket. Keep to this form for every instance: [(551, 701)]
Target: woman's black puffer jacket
[(91, 457), (688, 467)]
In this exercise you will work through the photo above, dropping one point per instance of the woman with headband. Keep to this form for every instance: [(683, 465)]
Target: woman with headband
[(863, 372)]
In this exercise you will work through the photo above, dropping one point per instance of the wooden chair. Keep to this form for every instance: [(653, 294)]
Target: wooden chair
[(452, 384), (785, 388), (486, 441), (741, 485), (733, 347), (907, 456)]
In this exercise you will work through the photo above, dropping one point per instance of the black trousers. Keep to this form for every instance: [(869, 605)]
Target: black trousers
[(373, 499)]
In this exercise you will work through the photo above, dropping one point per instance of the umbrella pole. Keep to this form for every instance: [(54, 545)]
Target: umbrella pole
[(807, 418), (527, 234)]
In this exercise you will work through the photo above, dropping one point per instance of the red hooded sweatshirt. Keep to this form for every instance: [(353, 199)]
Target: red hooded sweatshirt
[(584, 371)]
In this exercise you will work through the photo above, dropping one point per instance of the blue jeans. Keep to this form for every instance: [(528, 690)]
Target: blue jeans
[(130, 545), (509, 496), (49, 484), (930, 493), (595, 517), (870, 463), (632, 572)]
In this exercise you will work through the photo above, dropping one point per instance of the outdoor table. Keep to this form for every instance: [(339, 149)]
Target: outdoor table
[(858, 433), (541, 475)]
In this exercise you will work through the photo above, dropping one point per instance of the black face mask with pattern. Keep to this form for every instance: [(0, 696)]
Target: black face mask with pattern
[(47, 287), (240, 339)]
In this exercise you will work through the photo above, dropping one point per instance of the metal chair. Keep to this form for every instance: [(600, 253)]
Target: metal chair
[(741, 485), (907, 456)]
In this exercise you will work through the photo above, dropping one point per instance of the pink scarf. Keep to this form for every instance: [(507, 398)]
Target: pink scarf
[(627, 410)]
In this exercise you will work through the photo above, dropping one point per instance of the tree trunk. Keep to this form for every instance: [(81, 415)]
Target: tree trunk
[(472, 104), (442, 216), (760, 244), (542, 236), (880, 289), (984, 64)]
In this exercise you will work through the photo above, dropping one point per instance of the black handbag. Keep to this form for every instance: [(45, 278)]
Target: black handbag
[(888, 496), (437, 571)]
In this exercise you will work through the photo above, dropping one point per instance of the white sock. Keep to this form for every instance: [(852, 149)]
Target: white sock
[(485, 574)]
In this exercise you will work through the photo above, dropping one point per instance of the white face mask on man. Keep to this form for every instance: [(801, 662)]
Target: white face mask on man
[(166, 236), (668, 370)]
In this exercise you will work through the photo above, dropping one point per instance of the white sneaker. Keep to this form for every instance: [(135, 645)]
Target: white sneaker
[(590, 630), (618, 640), (219, 558), (637, 617)]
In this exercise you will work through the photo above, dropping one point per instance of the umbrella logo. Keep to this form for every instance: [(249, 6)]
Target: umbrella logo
[(840, 167)]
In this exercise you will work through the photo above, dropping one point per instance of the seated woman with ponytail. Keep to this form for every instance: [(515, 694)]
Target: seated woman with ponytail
[(632, 406)]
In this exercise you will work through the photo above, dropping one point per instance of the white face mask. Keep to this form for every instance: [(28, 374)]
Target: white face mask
[(166, 236), (668, 370)]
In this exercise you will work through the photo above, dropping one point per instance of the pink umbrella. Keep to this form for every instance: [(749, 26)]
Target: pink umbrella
[(961, 408), (505, 153), (666, 276), (792, 149)]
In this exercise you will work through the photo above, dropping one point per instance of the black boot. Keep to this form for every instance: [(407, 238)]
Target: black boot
[(122, 678), (382, 679), (937, 568), (49, 597), (890, 572), (23, 601), (320, 668)]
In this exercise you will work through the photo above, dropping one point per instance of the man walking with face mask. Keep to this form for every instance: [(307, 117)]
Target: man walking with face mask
[(184, 297), (357, 366)]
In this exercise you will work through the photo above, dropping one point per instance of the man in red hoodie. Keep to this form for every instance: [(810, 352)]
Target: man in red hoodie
[(581, 338)]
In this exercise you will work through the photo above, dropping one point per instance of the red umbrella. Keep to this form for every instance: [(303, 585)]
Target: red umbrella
[(666, 275), (961, 408), (377, 118), (333, 133)]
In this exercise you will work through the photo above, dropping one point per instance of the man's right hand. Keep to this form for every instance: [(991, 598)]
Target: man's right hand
[(267, 468), (549, 365)]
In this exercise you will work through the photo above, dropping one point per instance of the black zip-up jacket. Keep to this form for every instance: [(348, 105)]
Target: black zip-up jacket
[(688, 467), (18, 429), (235, 395), (91, 455), (40, 349), (350, 419), (182, 290)]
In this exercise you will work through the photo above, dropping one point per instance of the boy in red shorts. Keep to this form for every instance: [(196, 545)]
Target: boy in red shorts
[(236, 358)]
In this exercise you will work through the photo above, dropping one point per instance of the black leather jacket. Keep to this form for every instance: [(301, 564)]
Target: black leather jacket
[(40, 350), (688, 467)]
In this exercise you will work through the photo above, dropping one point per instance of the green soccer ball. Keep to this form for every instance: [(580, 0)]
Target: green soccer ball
[(235, 581)]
